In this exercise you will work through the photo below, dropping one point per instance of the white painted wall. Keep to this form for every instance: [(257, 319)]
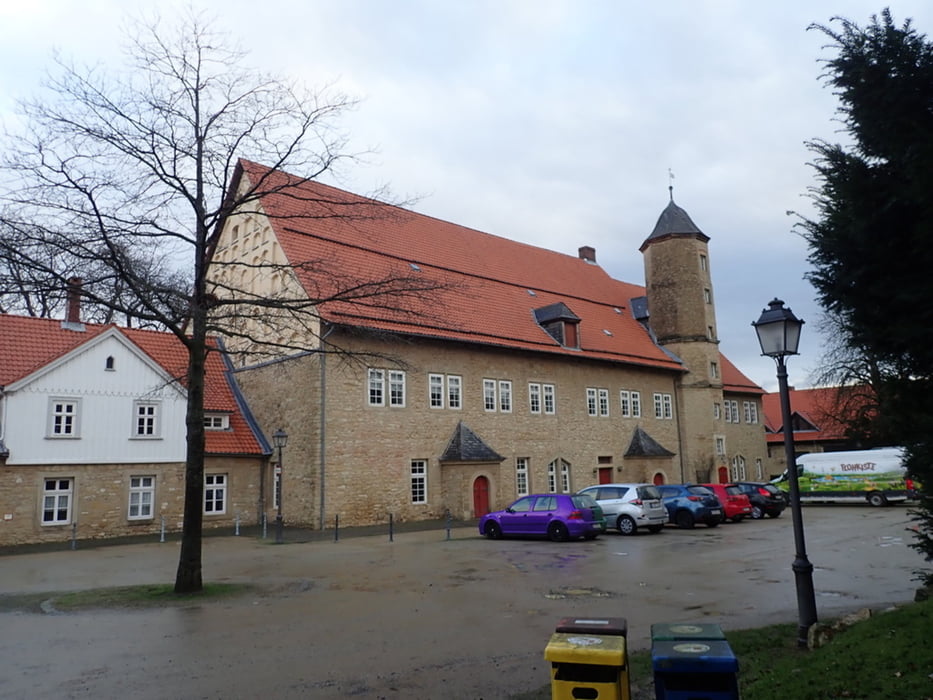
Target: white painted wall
[(107, 409)]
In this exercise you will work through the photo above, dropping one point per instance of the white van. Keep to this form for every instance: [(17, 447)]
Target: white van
[(877, 476)]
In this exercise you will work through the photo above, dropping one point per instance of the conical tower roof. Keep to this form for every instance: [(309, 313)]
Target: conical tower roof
[(673, 221)]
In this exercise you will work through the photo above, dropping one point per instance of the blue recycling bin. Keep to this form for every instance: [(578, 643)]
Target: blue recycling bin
[(669, 631), (694, 669)]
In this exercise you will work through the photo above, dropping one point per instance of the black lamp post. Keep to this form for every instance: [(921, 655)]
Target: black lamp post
[(779, 335), (279, 439)]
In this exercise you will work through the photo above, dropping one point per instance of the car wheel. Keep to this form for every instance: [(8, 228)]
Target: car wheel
[(626, 525), (492, 530), (757, 514), (774, 514), (558, 532), (877, 499), (737, 518), (684, 519), (655, 528)]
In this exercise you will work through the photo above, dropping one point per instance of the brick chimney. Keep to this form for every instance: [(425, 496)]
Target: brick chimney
[(72, 320), (587, 253)]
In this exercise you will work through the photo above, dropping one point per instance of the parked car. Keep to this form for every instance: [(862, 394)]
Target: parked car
[(688, 504), (735, 504), (629, 506), (558, 516), (766, 499)]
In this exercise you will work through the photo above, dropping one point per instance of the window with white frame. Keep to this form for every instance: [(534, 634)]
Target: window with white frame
[(454, 384), (636, 404), (505, 396), (604, 402), (663, 407), (732, 411), (720, 445), (63, 418), (552, 477), (550, 399), (216, 421), (489, 394), (717, 410), (534, 397), (591, 405), (146, 419), (215, 494), (704, 264), (738, 468), (625, 403), (521, 476), (419, 481), (396, 388), (751, 411), (142, 496), (565, 476), (436, 390), (758, 471), (57, 496), (714, 370), (377, 387)]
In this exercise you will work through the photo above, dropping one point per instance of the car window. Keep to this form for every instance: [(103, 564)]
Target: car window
[(667, 491), (546, 503), (733, 490), (770, 488), (649, 493), (700, 491), (583, 501), (522, 505), (607, 493)]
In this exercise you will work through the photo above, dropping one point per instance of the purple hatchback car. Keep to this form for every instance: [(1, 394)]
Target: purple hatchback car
[(557, 516)]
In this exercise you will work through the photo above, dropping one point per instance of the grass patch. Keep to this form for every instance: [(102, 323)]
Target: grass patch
[(887, 657), (145, 596)]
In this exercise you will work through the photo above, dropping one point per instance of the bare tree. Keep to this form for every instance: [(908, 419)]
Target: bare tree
[(122, 178)]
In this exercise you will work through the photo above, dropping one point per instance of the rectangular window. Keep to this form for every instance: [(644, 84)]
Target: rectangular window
[(63, 418), (146, 423), (453, 391), (215, 494), (751, 411), (419, 481), (663, 407), (552, 478), (758, 471), (377, 391), (436, 390), (591, 402), (142, 495), (56, 501), (625, 403), (505, 396), (604, 402), (219, 421), (550, 403), (521, 476), (565, 477), (714, 370), (658, 413), (636, 404), (489, 394), (720, 446), (732, 411), (396, 388), (717, 410), (534, 398), (704, 264), (707, 296)]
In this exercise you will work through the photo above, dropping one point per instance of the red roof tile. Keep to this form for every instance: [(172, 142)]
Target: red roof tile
[(28, 344), (823, 408)]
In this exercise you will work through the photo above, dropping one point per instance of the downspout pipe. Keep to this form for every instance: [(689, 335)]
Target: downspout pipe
[(322, 446)]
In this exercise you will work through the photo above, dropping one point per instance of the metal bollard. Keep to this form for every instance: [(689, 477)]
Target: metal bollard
[(391, 526), (447, 515), (74, 535), (264, 522), (236, 525), (336, 528), (162, 530)]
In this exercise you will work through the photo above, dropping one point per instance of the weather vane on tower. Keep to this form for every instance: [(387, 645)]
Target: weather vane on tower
[(670, 183)]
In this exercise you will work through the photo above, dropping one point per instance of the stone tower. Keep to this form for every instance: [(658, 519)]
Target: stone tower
[(682, 316)]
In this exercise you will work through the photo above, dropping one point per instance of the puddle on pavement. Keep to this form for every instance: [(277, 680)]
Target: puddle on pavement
[(564, 593)]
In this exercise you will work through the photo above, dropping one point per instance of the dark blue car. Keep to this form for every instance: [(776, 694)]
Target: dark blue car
[(689, 504)]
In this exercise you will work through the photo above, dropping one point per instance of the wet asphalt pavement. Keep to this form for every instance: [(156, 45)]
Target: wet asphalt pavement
[(422, 616)]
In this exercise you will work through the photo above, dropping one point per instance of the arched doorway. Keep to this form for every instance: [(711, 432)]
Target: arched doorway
[(480, 496), (658, 479)]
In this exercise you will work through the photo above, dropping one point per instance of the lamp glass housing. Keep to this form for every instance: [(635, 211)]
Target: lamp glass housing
[(280, 438), (778, 330)]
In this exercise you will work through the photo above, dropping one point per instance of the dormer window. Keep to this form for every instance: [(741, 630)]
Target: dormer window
[(216, 421), (560, 323)]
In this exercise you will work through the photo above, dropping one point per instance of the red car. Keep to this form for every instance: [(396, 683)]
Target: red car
[(735, 504)]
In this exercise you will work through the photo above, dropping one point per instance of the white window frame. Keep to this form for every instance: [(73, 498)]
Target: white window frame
[(591, 402), (489, 395), (436, 390), (64, 418), (717, 410), (521, 476), (147, 423), (215, 494), (565, 476), (636, 404), (216, 421), (552, 477), (759, 474), (454, 392), (505, 396), (534, 397), (750, 408), (141, 497), (625, 403), (714, 370), (396, 388), (720, 443), (663, 406), (550, 399), (603, 396), (57, 491), (376, 387), (419, 481)]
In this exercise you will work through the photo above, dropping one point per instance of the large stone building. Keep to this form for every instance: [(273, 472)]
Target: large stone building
[(517, 369)]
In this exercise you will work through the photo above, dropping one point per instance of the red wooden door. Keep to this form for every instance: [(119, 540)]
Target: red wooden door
[(658, 479), (723, 475), (605, 475), (480, 496)]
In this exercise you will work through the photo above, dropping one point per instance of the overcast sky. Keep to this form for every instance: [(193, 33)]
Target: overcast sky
[(551, 122)]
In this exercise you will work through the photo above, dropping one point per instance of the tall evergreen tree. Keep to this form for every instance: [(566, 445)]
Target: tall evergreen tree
[(870, 246)]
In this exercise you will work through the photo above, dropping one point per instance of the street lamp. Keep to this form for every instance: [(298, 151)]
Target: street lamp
[(279, 439), (779, 334)]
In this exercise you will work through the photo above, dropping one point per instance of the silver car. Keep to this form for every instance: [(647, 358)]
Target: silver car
[(630, 506)]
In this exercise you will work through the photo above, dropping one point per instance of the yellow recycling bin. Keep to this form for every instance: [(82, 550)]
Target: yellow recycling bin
[(588, 666)]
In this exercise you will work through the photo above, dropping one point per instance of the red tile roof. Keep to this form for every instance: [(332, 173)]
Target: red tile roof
[(824, 409), (28, 344), (486, 279)]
